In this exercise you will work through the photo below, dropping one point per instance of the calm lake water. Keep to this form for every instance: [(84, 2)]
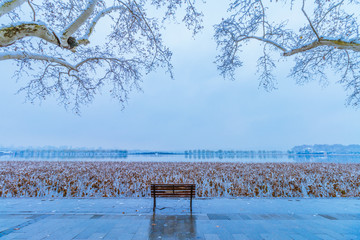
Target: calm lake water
[(184, 158)]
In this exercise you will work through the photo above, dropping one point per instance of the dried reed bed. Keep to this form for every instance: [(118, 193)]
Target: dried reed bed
[(132, 179)]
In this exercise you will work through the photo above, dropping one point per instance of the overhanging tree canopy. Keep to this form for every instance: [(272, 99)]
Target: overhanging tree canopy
[(52, 42), (328, 40)]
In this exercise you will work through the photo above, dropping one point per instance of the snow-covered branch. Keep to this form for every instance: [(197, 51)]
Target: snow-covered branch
[(329, 39), (264, 40), (133, 46), (9, 5), (35, 56), (339, 44), (79, 21), (109, 59), (85, 38), (336, 43), (12, 33), (24, 55)]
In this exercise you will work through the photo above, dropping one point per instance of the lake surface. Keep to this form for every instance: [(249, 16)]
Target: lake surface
[(341, 158)]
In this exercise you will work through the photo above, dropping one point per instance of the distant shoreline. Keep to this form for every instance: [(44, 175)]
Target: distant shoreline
[(78, 153)]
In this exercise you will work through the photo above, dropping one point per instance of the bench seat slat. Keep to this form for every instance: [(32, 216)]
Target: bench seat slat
[(173, 193), (176, 185), (173, 196), (166, 186), (171, 188), (176, 193)]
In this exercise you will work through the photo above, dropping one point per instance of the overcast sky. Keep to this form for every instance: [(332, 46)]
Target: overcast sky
[(198, 109)]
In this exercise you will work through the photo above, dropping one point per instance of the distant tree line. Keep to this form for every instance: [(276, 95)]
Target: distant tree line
[(231, 154), (30, 153)]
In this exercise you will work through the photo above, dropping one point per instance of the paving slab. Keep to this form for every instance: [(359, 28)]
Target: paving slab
[(211, 218)]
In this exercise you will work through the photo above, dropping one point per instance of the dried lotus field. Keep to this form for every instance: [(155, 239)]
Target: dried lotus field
[(132, 179)]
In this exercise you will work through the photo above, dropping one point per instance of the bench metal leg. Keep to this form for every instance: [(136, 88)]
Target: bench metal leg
[(191, 193), (154, 194), (154, 204)]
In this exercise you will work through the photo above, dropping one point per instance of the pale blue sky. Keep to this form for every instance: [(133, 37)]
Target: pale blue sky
[(198, 109)]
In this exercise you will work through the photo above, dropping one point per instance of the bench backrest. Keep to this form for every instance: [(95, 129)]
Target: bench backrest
[(173, 190)]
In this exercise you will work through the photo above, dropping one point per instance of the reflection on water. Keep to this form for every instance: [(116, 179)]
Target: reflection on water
[(335, 158), (170, 226), (246, 158)]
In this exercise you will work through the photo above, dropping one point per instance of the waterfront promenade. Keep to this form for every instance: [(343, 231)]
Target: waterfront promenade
[(218, 218)]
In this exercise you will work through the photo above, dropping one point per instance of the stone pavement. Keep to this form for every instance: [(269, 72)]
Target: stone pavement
[(218, 218)]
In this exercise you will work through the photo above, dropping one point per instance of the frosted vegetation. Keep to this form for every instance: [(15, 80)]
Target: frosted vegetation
[(133, 179)]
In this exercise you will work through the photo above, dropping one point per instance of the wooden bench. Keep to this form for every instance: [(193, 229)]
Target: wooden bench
[(173, 190)]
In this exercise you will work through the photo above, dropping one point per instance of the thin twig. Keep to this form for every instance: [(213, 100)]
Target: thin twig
[(307, 17), (32, 9)]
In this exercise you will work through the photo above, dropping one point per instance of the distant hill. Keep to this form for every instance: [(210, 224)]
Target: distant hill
[(331, 149)]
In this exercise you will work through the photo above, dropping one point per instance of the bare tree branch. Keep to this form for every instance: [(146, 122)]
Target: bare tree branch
[(310, 23), (263, 17), (32, 8), (329, 11)]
